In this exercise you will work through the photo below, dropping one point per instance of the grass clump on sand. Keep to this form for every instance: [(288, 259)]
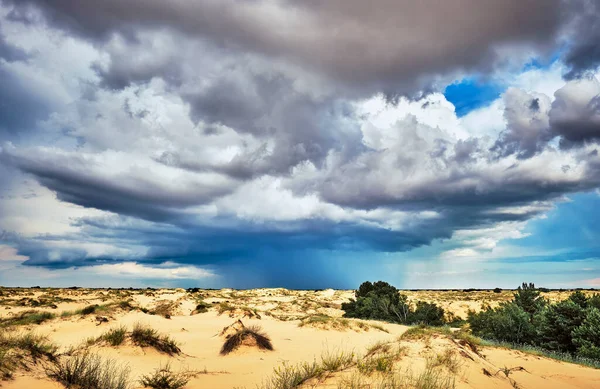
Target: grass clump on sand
[(252, 336), (202, 307), (145, 336), (89, 371), (164, 308), (326, 322), (424, 332), (27, 318), (165, 378), (381, 358), (294, 376), (115, 336), (430, 378), (21, 349)]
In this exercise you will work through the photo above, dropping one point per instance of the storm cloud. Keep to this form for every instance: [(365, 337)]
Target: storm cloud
[(253, 133)]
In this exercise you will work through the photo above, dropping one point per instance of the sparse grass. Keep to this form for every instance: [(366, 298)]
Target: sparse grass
[(433, 378), (290, 377), (253, 334), (224, 307), (21, 349), (326, 322), (165, 378), (145, 336), (294, 376), (424, 332), (164, 308), (115, 336), (448, 359), (540, 352), (27, 318), (336, 360), (89, 371), (430, 378)]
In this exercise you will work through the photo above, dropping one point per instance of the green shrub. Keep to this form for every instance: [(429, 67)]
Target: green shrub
[(587, 336), (378, 301), (555, 323), (579, 298), (529, 299), (428, 314), (508, 323)]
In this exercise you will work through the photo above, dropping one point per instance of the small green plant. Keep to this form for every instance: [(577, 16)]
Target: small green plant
[(115, 336), (165, 378)]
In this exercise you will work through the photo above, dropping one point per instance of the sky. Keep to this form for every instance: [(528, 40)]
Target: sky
[(300, 144)]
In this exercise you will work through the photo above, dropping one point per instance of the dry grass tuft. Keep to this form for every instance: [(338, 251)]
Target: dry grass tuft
[(165, 378), (252, 336), (145, 336), (89, 371)]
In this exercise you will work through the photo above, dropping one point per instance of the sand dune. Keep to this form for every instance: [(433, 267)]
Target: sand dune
[(282, 315)]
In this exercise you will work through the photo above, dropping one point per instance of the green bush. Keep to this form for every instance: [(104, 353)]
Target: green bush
[(587, 336), (529, 299), (555, 323), (507, 323), (427, 313), (382, 301), (579, 298)]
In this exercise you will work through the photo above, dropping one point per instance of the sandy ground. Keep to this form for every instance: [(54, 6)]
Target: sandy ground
[(279, 313)]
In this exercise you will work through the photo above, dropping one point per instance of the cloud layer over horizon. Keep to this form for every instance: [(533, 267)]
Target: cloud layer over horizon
[(248, 143)]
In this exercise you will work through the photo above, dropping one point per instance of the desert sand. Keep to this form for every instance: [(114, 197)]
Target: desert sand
[(285, 316)]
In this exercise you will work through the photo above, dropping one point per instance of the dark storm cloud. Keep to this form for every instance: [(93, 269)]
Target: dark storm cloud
[(20, 107), (138, 193), (528, 129), (386, 46), (584, 51), (575, 114), (290, 126)]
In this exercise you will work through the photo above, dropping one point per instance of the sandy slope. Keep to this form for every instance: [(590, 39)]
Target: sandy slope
[(247, 367)]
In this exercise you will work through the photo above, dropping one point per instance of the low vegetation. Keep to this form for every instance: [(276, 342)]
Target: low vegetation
[(289, 376), (338, 323), (89, 371), (571, 326), (253, 336), (115, 336), (382, 301), (21, 350), (27, 318), (145, 336), (165, 378)]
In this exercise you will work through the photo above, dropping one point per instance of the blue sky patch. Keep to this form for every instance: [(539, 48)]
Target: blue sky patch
[(470, 94)]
